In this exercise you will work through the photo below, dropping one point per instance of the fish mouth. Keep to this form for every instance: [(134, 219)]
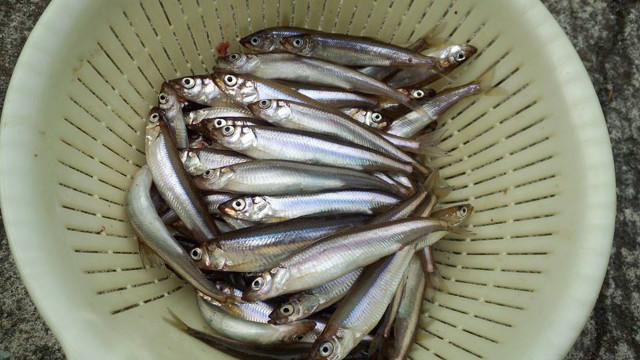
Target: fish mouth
[(471, 50)]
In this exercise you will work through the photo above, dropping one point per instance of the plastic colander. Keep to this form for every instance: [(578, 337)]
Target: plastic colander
[(535, 162)]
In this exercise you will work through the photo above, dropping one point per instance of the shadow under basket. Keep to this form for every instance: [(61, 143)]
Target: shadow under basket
[(535, 162)]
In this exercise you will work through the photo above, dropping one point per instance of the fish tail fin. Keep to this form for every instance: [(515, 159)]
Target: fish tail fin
[(432, 180), (442, 192), (427, 144), (485, 82), (459, 230), (436, 281), (176, 322), (148, 257)]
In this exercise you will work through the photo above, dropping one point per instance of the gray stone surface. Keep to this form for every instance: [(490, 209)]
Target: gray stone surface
[(607, 37)]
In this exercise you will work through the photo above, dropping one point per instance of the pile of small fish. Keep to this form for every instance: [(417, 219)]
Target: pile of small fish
[(288, 188)]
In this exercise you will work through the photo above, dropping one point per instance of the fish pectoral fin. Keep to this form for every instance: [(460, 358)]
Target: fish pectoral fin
[(148, 256)]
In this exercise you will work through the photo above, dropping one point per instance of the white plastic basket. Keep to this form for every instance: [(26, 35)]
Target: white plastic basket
[(536, 165)]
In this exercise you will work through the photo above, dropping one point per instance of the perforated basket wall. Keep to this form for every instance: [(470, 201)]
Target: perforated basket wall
[(535, 163)]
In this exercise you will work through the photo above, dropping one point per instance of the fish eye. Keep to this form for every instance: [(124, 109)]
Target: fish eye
[(154, 117), (234, 57), (299, 338), (255, 40), (326, 349), (257, 283), (230, 80), (163, 98), (460, 56), (208, 174), (220, 123), (463, 211), (196, 254), (376, 117), (418, 94), (286, 310), (188, 82), (239, 204), (297, 43), (228, 130), (265, 104)]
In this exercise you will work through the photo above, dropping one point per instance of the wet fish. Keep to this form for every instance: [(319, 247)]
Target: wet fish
[(304, 304), (408, 312), (268, 40), (200, 89), (342, 253), (333, 97), (285, 207), (277, 177), (236, 328), (412, 123), (300, 116), (241, 350), (172, 180), (153, 233), (454, 215), (247, 89), (263, 246), (380, 72), (197, 161), (452, 57), (194, 117), (270, 143), (362, 307), (368, 117), (356, 51), (301, 69), (172, 107)]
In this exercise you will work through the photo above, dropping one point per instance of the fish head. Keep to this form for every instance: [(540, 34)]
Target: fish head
[(191, 162), (200, 89), (239, 88), (214, 179), (332, 344), (298, 306), (453, 56), (250, 208), (261, 41), (272, 111), (235, 137), (302, 45), (369, 117), (168, 99), (154, 118), (297, 331), (420, 94), (208, 256), (267, 285), (454, 215), (239, 63)]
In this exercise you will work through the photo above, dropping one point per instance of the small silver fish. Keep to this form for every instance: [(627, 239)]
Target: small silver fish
[(260, 142), (277, 177), (451, 56), (172, 107), (172, 180), (285, 207)]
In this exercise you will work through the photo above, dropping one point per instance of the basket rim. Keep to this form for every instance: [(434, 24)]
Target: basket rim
[(594, 251)]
